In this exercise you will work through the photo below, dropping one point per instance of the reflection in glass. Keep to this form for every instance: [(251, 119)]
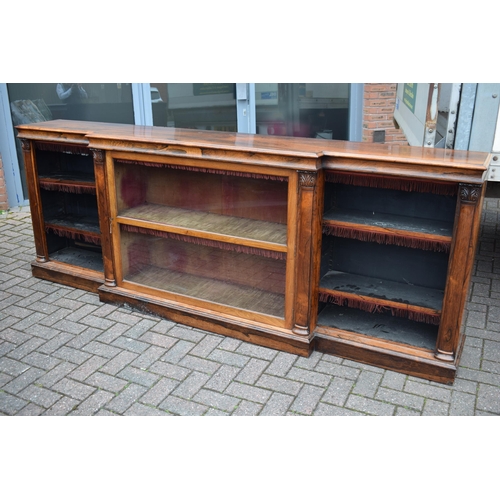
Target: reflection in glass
[(219, 236), (303, 109), (203, 106), (37, 102)]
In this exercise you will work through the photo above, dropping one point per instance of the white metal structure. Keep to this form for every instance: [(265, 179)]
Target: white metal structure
[(462, 116)]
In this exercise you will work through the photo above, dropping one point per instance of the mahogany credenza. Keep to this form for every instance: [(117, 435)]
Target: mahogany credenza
[(364, 251)]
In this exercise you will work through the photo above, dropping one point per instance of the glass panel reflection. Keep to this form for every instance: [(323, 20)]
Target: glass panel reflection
[(38, 102), (303, 109), (249, 209), (101, 102), (202, 269), (203, 106)]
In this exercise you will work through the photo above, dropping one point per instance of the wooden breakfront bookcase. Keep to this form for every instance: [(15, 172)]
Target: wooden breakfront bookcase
[(363, 251)]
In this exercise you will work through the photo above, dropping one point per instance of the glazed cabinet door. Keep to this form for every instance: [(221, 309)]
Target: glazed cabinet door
[(217, 238)]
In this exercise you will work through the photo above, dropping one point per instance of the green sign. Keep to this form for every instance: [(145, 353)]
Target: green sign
[(410, 95), (213, 88)]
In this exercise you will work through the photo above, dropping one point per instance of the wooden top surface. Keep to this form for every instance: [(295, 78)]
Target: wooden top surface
[(250, 143)]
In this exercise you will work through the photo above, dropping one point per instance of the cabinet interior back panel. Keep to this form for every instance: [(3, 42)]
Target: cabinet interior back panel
[(377, 201), (246, 197), (391, 262), (66, 165)]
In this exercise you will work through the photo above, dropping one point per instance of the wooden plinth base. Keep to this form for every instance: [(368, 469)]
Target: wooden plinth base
[(391, 356), (247, 331), (357, 347), (67, 274)]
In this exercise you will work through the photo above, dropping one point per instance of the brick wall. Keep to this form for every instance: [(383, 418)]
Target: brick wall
[(378, 114), (4, 205)]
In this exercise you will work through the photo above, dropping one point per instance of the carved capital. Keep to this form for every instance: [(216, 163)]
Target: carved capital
[(26, 145), (307, 179), (470, 193), (98, 155)]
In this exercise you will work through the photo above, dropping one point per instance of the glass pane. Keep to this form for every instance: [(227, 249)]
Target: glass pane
[(215, 235), (36, 102), (253, 209), (303, 109), (202, 269), (204, 106)]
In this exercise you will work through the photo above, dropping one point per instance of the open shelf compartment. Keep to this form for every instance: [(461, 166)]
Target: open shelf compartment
[(414, 219), (384, 261), (64, 164), (379, 325), (71, 215), (405, 282), (375, 294)]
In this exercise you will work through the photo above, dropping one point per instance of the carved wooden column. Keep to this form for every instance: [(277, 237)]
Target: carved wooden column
[(305, 246), (42, 253), (470, 199), (104, 217)]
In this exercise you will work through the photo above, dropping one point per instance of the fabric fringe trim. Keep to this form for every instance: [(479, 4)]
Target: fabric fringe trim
[(206, 170), (387, 238), (68, 187), (409, 185), (205, 242), (342, 300), (400, 311), (62, 148), (74, 234)]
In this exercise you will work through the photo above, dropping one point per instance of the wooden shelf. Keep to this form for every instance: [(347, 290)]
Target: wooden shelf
[(363, 292), (86, 228), (67, 177), (389, 229), (383, 289), (211, 290), (237, 230), (411, 225), (69, 184)]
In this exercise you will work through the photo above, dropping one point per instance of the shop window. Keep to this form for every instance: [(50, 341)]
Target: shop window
[(318, 110), (203, 106)]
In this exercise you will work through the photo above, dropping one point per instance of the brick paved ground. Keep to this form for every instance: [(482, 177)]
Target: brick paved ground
[(62, 352)]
